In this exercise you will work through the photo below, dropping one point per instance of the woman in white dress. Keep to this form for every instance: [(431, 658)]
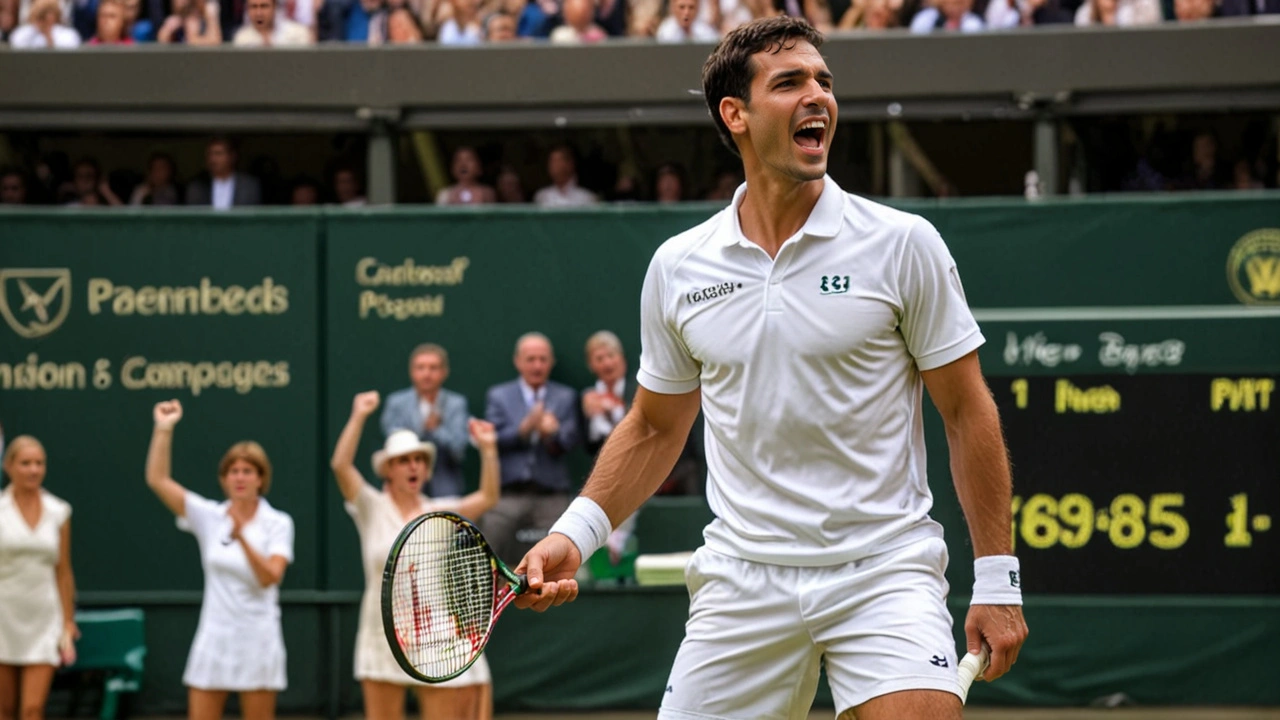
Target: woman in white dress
[(404, 464), (245, 545), (37, 589)]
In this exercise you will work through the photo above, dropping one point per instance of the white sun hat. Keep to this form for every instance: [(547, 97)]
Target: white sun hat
[(400, 443)]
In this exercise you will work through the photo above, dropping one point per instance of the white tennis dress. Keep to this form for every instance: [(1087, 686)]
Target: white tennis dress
[(378, 521), (239, 645), (30, 607)]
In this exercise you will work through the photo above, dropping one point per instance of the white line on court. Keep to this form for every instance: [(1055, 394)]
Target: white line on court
[(1127, 312)]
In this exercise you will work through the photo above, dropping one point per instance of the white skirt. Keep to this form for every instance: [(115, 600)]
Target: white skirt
[(233, 660), (374, 661)]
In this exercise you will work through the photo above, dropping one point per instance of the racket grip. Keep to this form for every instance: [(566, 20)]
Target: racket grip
[(971, 667), (522, 584)]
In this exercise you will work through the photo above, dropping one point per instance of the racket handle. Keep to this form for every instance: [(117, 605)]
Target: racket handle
[(522, 584), (972, 667)]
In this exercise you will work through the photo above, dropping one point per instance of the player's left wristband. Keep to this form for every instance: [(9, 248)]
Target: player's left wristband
[(586, 524), (997, 580)]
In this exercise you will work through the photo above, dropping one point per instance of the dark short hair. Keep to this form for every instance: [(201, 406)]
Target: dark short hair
[(730, 70)]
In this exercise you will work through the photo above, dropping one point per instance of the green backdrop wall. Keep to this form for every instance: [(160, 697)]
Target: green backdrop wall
[(1154, 312)]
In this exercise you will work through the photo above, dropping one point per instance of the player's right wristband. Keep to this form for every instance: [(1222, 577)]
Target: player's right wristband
[(997, 580), (586, 524)]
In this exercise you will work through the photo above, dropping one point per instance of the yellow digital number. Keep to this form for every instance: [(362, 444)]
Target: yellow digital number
[(1158, 514), (1127, 530), (1238, 523), (1019, 388), (1040, 528), (1075, 513)]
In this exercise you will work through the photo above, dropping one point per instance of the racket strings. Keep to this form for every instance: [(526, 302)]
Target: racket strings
[(442, 597)]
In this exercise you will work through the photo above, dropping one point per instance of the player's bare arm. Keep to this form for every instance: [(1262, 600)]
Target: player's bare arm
[(634, 461), (980, 468)]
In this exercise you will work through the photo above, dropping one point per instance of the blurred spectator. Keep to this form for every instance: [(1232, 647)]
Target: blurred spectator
[(356, 18), (1236, 8), (646, 15), (112, 29), (537, 424), (464, 27), (87, 186), (160, 186), (224, 188), (499, 27), (13, 187), (67, 8), (948, 15), (467, 188), (669, 184), (8, 19), (537, 17), (1206, 171), (305, 192), (1243, 178), (191, 22), (870, 15), (1119, 12), (579, 24), (142, 29), (1193, 10), (509, 187), (626, 188), (726, 184), (563, 191), (682, 24), (265, 27), (302, 12), (347, 189), (1001, 14), (611, 16), (44, 29), (403, 27)]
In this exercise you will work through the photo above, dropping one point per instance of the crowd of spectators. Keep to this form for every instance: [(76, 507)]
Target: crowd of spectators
[(31, 24)]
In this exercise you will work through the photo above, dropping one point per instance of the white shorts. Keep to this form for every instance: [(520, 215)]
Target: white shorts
[(757, 634)]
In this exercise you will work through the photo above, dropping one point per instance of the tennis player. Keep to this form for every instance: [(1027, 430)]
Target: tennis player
[(807, 323)]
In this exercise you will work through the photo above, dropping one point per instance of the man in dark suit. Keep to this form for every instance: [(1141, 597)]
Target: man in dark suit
[(224, 188), (437, 415), (537, 423)]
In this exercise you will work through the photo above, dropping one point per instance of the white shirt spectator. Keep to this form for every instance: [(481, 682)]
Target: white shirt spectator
[(223, 192), (601, 425), (285, 33), (67, 6), (1001, 14), (1128, 13), (451, 34), (29, 37), (669, 31), (926, 21), (570, 195)]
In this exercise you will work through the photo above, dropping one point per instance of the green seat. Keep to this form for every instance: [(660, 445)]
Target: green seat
[(112, 645)]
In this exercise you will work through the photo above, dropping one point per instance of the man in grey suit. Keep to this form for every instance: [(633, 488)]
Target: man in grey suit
[(437, 415), (225, 188), (537, 424)]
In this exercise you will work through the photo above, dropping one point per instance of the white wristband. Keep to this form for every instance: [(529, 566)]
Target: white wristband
[(586, 524), (996, 581)]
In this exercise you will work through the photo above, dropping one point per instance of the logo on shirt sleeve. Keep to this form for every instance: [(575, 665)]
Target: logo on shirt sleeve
[(724, 289)]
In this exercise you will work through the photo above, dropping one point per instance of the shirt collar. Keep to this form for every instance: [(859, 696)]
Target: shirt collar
[(824, 220)]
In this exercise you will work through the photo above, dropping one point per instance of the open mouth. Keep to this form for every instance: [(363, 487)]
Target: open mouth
[(811, 134)]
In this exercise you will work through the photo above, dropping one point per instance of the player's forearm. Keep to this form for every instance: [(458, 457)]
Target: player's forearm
[(263, 569), (980, 468), (634, 461)]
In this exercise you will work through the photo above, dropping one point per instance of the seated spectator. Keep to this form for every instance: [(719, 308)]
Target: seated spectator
[(268, 28), (499, 27), (403, 27), (611, 16), (191, 22), (509, 187), (224, 188), (1121, 13), (1205, 171), (646, 15), (1238, 8), (68, 8), (467, 188), (8, 19), (464, 27), (160, 186), (87, 186), (668, 184), (140, 28), (682, 24), (871, 15), (1194, 10), (13, 187), (1242, 178), (358, 19), (305, 193), (579, 24), (726, 184), (44, 29), (537, 17), (948, 15), (563, 191), (346, 188), (112, 29)]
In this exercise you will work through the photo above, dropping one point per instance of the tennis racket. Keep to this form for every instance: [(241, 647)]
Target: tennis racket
[(442, 591), (971, 667)]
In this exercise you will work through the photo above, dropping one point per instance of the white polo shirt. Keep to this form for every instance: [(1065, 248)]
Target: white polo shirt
[(810, 372)]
